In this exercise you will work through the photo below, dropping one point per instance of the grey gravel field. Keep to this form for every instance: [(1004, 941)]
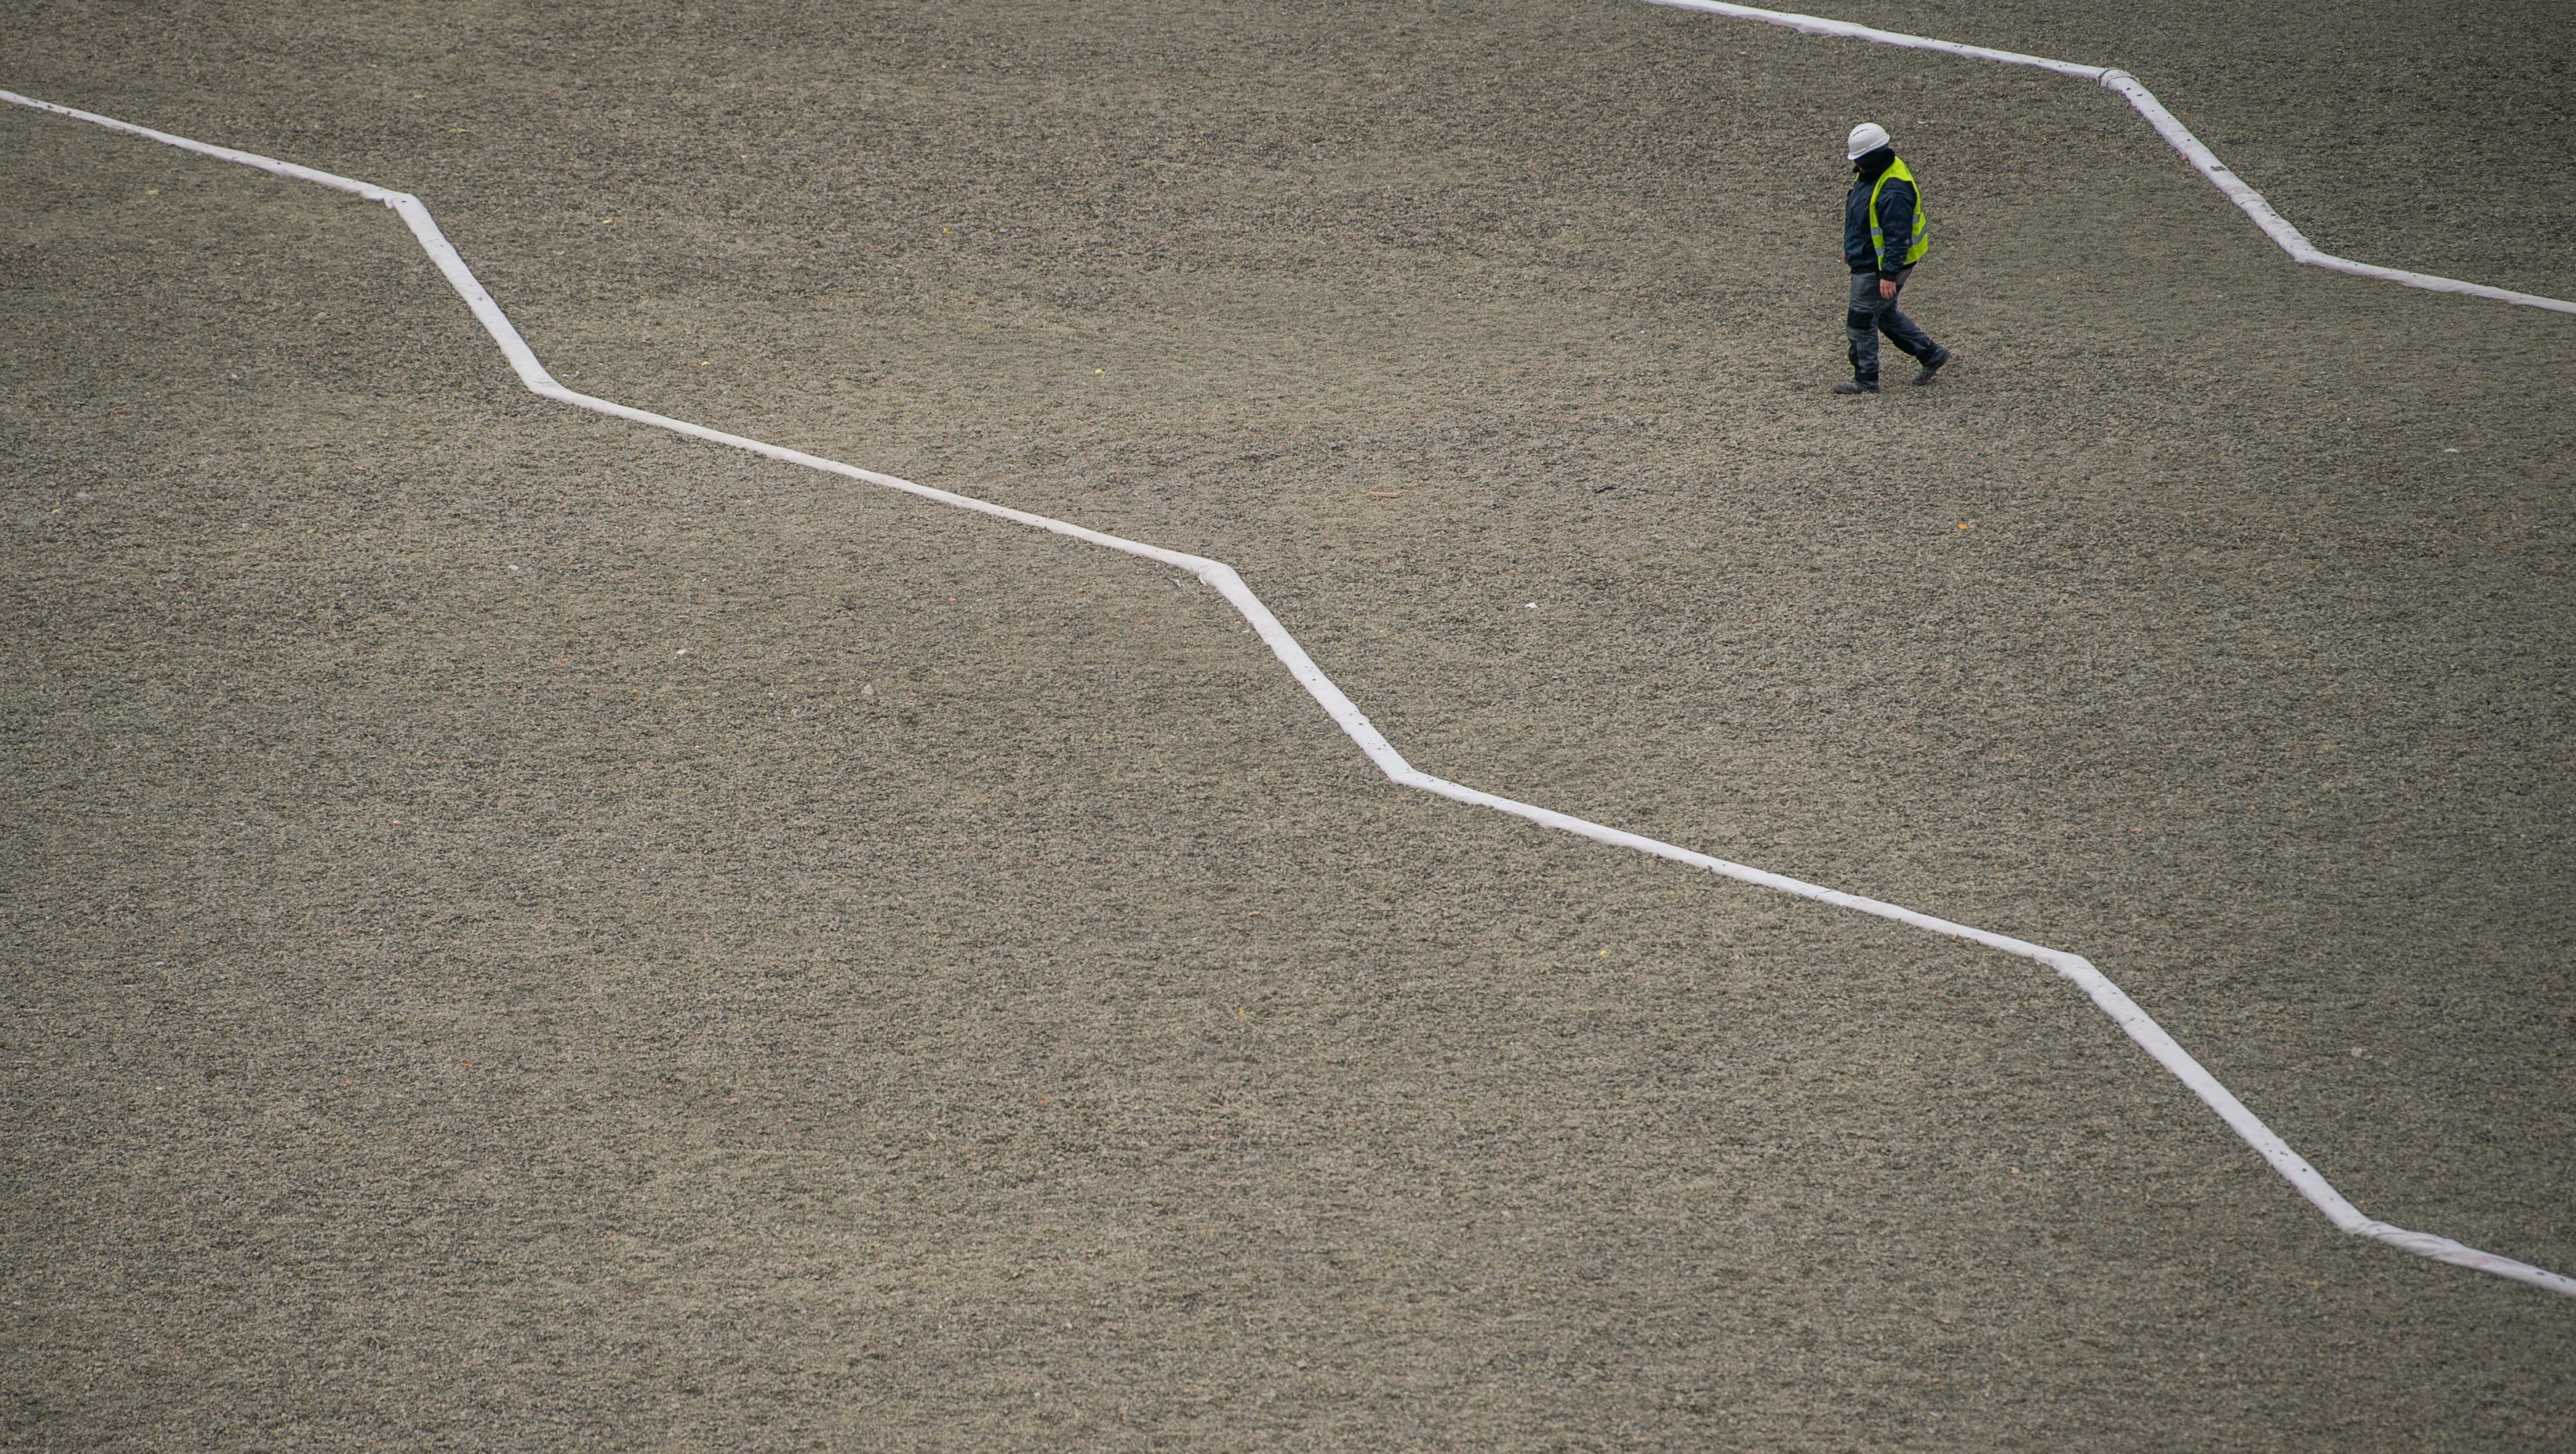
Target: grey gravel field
[(524, 932)]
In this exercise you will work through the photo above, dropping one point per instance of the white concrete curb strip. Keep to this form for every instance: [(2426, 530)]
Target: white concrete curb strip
[(2251, 202), (2123, 1011)]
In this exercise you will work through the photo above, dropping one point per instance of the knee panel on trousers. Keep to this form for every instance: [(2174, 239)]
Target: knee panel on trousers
[(1860, 320)]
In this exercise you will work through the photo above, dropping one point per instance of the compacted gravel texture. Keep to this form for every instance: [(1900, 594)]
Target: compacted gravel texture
[(525, 932)]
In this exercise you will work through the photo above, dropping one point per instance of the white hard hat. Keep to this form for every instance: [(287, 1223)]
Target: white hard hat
[(1867, 137)]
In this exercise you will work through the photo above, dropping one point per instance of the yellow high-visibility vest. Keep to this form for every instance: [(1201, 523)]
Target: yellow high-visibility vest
[(1915, 246)]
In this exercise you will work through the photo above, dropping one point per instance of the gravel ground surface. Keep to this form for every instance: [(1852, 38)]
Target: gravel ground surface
[(528, 933)]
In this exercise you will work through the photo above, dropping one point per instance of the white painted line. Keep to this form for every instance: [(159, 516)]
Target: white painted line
[(2123, 1011), (2247, 200), (1846, 30)]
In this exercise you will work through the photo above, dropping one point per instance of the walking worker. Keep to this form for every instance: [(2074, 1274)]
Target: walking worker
[(1884, 235)]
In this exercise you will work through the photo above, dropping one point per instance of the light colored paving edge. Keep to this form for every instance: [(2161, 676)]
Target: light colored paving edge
[(1221, 577), (2292, 241)]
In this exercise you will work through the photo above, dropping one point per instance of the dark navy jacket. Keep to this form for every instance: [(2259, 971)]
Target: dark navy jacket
[(1895, 217)]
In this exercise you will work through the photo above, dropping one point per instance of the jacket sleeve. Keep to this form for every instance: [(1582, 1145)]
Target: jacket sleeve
[(1895, 223)]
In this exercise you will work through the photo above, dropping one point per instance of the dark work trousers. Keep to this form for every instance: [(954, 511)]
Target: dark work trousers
[(1872, 315)]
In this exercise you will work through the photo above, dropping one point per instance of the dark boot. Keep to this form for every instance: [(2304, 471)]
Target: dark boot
[(1857, 386), (1932, 366)]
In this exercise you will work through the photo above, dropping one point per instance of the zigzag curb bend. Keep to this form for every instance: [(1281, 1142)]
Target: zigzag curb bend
[(2247, 200), (1222, 578)]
